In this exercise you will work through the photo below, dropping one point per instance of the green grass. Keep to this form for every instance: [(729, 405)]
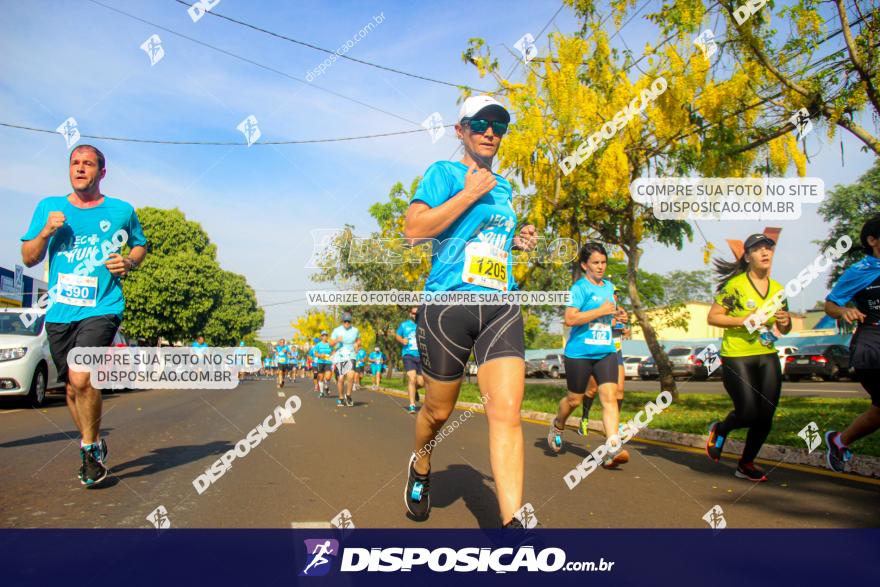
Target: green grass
[(693, 412)]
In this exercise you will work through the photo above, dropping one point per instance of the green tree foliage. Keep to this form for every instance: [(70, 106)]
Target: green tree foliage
[(846, 208), (236, 314), (180, 291)]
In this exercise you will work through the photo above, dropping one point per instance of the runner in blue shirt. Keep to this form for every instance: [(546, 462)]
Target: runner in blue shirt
[(412, 365), (322, 352), (466, 211), (859, 284), (284, 358), (313, 364), (83, 234), (360, 358), (618, 331), (345, 336), (376, 359), (590, 350), (302, 351)]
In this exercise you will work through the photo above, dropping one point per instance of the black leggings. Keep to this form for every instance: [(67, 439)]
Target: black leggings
[(754, 384)]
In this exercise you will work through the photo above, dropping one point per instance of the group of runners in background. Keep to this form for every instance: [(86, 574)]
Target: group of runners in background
[(340, 356)]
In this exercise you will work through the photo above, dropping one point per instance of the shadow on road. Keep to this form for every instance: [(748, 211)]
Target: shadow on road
[(72, 435), (464, 482), (772, 495), (161, 459)]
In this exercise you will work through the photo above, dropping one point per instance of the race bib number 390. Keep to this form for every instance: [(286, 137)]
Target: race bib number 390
[(485, 265), (77, 290)]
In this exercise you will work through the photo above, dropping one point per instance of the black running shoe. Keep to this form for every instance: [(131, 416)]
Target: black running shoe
[(94, 472), (836, 457), (514, 524), (82, 467), (417, 494), (105, 453), (750, 472), (715, 444), (349, 402)]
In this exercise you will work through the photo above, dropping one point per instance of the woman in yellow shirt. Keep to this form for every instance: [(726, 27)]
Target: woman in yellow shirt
[(751, 372)]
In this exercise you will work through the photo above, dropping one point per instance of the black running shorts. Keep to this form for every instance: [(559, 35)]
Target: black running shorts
[(579, 371), (411, 363), (63, 338), (870, 380), (447, 334)]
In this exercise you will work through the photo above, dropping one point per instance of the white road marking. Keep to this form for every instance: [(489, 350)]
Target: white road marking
[(11, 411)]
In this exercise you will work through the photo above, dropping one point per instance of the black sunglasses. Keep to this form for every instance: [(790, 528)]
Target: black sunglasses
[(479, 126)]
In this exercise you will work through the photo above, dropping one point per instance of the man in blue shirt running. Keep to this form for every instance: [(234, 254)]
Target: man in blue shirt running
[(406, 336), (84, 233), (323, 364), (376, 359), (360, 357), (283, 355), (347, 336)]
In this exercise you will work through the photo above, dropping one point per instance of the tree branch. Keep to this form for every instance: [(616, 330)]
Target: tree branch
[(856, 61)]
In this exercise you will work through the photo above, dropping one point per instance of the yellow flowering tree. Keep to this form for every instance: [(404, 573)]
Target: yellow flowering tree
[(588, 121)]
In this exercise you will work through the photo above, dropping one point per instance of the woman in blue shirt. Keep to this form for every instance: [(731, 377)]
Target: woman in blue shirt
[(466, 210), (859, 284), (590, 350)]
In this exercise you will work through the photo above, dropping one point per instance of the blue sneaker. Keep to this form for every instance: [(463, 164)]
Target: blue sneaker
[(416, 493), (94, 471), (715, 443), (103, 455), (836, 457), (554, 437), (339, 402)]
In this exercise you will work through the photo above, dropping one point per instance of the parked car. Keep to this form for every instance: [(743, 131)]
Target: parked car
[(553, 366), (648, 369), (631, 366), (828, 361), (684, 360), (26, 367), (534, 368), (784, 353)]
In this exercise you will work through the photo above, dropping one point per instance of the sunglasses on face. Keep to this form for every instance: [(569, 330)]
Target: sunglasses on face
[(479, 126)]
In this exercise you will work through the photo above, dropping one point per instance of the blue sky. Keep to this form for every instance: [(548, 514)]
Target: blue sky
[(259, 204)]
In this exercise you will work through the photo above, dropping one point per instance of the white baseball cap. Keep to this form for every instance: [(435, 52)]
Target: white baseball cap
[(476, 104)]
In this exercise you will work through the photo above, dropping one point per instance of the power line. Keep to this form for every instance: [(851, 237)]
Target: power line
[(323, 50), (220, 143), (255, 63)]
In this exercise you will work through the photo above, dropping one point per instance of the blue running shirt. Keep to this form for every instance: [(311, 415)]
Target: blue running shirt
[(83, 287), (407, 330), (473, 253), (592, 340)]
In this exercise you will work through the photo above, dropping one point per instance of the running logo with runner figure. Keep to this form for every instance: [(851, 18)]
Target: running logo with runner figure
[(715, 518), (318, 551), (810, 434)]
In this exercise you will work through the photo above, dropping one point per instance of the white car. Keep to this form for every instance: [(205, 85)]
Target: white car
[(785, 351), (26, 367), (631, 366)]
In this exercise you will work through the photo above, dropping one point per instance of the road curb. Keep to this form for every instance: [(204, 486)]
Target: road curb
[(863, 465)]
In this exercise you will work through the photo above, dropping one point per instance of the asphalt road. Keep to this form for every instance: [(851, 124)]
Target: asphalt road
[(840, 389), (330, 459)]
